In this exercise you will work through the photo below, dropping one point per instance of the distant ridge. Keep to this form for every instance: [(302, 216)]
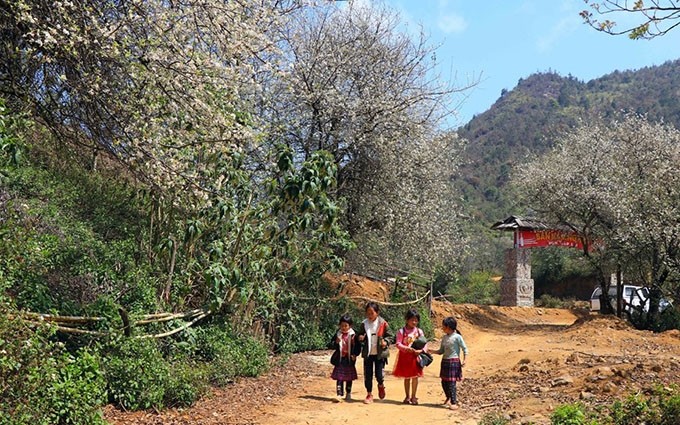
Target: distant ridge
[(527, 120)]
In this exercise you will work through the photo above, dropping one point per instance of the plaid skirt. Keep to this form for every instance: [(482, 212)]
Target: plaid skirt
[(345, 371), (451, 370)]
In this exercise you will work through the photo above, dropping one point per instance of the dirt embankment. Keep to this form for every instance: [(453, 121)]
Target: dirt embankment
[(523, 362)]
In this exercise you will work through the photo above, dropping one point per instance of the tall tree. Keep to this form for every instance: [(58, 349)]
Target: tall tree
[(356, 85), (617, 184)]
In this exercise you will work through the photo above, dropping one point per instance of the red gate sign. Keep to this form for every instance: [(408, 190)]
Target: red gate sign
[(540, 238)]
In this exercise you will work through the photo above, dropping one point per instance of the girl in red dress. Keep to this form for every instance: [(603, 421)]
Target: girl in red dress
[(407, 361)]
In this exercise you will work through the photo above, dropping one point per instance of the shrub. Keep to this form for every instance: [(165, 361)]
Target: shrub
[(568, 414), (136, 373), (668, 319), (78, 391), (186, 384), (230, 355), (633, 411), (661, 406), (42, 383), (296, 336), (494, 418), (670, 410), (475, 287), (548, 301)]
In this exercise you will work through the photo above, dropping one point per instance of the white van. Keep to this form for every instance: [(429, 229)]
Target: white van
[(632, 295)]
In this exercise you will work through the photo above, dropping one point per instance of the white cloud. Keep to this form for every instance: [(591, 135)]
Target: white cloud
[(452, 23)]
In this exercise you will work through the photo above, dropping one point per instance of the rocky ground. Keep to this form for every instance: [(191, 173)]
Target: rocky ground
[(523, 362)]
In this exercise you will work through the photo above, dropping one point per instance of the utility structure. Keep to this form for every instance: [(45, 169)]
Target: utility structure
[(517, 286)]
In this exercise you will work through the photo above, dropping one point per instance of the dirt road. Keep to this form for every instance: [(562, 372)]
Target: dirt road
[(523, 362)]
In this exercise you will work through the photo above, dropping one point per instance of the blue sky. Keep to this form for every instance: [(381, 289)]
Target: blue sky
[(502, 41)]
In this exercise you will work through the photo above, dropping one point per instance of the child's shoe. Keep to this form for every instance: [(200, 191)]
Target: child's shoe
[(368, 399), (348, 396), (381, 391)]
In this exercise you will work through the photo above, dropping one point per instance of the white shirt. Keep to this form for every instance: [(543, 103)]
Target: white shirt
[(371, 331)]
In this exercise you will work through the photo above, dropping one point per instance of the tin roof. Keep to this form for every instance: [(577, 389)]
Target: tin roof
[(515, 222)]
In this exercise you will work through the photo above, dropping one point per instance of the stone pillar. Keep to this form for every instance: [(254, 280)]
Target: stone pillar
[(517, 286)]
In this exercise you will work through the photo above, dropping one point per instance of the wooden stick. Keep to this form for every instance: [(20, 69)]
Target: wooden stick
[(66, 329), (56, 318), (174, 331), (169, 317)]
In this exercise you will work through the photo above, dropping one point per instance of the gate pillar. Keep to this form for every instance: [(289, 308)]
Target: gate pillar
[(517, 286)]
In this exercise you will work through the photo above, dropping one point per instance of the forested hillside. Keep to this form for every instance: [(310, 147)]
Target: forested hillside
[(527, 119)]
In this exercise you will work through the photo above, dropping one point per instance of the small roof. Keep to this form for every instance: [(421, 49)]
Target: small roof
[(515, 222)]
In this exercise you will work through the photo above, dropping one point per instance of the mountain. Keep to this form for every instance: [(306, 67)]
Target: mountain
[(528, 119)]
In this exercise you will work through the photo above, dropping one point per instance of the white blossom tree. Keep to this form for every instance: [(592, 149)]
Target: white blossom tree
[(618, 187), (354, 84), (163, 87)]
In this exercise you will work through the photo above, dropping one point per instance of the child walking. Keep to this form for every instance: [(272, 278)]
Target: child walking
[(407, 360), (375, 338), (452, 365), (344, 357)]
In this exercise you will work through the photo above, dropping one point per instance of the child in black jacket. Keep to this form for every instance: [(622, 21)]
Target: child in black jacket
[(344, 357)]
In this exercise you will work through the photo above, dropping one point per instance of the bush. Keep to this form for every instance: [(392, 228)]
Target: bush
[(228, 355), (476, 288), (71, 237), (660, 407), (79, 390), (568, 414), (186, 384), (302, 337), (42, 383), (494, 418), (137, 374), (633, 411), (668, 319), (548, 301), (670, 410)]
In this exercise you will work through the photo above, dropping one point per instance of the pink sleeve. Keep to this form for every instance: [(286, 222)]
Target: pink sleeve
[(400, 340)]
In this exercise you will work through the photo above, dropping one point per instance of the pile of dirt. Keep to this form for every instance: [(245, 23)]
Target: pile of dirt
[(358, 286), (497, 317)]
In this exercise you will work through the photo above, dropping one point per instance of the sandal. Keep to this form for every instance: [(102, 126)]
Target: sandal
[(407, 401), (414, 401)]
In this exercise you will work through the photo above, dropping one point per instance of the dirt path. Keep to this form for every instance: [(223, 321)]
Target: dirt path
[(523, 362)]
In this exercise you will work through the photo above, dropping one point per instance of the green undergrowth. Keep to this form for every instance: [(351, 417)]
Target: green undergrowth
[(656, 406)]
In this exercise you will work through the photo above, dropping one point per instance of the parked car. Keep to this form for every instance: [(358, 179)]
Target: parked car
[(632, 296)]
